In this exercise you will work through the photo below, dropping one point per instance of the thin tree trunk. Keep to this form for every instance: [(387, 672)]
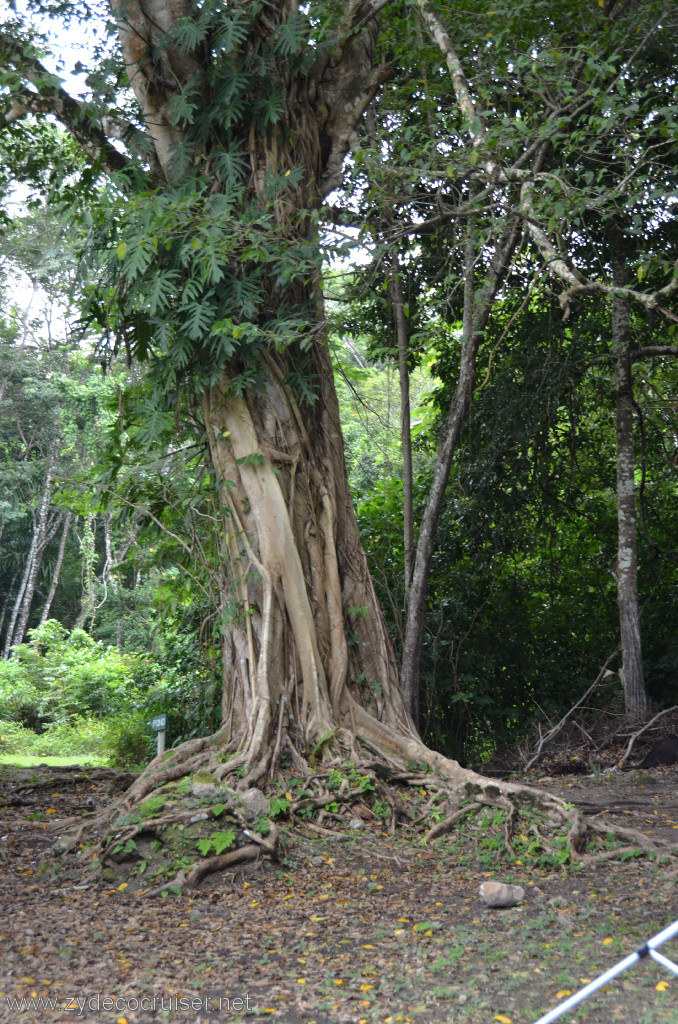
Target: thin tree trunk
[(477, 310), (402, 336), (5, 603), (57, 568), (44, 535), (19, 619), (87, 606), (17, 601), (635, 697)]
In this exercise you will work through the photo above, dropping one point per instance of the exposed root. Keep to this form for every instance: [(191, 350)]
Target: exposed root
[(189, 879), (640, 840), (445, 826), (322, 798)]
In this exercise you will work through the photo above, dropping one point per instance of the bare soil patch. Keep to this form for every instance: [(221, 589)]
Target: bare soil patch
[(363, 929)]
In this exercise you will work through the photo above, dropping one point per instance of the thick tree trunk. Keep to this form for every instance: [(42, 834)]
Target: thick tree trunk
[(306, 654), (635, 697)]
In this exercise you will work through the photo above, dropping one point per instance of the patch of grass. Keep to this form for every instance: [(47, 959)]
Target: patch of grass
[(121, 741), (29, 760)]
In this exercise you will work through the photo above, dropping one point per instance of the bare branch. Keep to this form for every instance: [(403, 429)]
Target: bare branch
[(639, 733), (547, 737)]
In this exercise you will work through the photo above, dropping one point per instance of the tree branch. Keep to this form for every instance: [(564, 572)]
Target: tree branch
[(71, 113), (653, 350), (491, 171)]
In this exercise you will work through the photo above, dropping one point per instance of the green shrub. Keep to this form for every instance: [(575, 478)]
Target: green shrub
[(57, 676), (66, 693), (15, 738), (124, 741), (80, 736), (130, 743)]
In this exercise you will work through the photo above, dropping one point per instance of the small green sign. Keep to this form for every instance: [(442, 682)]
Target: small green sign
[(159, 723)]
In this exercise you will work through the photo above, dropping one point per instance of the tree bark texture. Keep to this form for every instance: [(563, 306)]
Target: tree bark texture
[(635, 697)]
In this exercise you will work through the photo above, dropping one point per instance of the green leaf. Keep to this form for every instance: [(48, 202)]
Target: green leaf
[(279, 805), (222, 840)]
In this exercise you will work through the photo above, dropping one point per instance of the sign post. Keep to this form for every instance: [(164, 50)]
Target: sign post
[(159, 726)]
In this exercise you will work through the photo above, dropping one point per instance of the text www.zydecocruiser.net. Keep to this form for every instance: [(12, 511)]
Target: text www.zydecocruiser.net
[(121, 1004)]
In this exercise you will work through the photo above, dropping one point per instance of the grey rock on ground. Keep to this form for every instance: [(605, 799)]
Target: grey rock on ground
[(500, 894), (254, 804)]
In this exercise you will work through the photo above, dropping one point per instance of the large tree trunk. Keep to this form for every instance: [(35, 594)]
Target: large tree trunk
[(635, 697), (307, 659), (306, 649)]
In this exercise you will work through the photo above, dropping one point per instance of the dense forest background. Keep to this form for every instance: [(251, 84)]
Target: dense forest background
[(110, 604)]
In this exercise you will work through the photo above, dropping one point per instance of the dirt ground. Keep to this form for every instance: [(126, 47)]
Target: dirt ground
[(364, 929)]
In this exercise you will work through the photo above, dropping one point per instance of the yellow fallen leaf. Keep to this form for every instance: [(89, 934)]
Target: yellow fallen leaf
[(563, 992), (123, 886), (662, 986), (502, 1019), (606, 942)]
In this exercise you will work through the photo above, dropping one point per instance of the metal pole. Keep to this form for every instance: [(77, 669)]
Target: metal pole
[(648, 949), (161, 742)]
